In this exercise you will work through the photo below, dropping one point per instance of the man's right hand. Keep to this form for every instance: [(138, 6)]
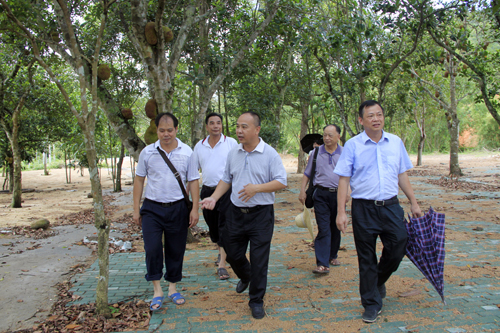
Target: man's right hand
[(137, 219), (342, 221), (208, 203), (302, 197)]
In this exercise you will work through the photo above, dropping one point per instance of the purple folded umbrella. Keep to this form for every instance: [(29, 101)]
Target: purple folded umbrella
[(425, 247)]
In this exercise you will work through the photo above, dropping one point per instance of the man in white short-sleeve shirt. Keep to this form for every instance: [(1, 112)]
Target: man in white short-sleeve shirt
[(210, 155), (164, 211)]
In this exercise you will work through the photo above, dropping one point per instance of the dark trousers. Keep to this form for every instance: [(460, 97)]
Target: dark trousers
[(216, 218), (173, 222), (256, 228), (327, 242), (370, 221)]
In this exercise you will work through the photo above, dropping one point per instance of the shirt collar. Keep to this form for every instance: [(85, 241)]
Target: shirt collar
[(259, 148), (221, 139), (365, 137), (179, 144), (322, 149)]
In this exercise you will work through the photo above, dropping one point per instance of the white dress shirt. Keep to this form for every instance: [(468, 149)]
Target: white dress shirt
[(212, 161)]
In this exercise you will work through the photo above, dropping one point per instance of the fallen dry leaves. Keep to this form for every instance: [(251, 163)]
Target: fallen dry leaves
[(134, 315), (457, 184)]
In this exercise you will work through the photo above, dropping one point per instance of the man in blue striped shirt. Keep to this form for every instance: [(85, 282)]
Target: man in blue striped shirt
[(374, 163), (255, 171)]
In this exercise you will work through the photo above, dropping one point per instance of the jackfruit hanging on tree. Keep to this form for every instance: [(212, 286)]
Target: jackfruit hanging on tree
[(127, 113), (103, 72), (150, 136), (150, 33), (150, 109)]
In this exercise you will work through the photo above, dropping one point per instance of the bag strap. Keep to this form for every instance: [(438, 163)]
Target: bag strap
[(174, 171), (313, 170)]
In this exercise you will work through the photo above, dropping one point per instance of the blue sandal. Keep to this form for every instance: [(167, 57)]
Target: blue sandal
[(177, 296), (156, 301)]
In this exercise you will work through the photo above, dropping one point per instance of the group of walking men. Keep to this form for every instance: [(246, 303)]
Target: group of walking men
[(237, 198)]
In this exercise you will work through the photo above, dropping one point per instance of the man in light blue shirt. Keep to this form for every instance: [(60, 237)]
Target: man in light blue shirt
[(374, 163), (255, 171)]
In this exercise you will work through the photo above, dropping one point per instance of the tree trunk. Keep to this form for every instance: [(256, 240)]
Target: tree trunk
[(45, 170), (421, 144), (132, 168), (101, 224), (226, 113), (453, 123), (421, 130), (66, 165), (16, 153), (304, 106), (118, 183), (11, 177)]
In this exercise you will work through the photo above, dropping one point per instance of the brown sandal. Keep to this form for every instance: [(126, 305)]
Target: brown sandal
[(223, 274), (321, 270), (334, 262)]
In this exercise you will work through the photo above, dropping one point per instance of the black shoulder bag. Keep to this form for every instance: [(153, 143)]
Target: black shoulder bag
[(189, 203), (310, 190)]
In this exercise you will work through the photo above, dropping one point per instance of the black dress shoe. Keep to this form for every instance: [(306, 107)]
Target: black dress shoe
[(382, 291), (258, 312), (370, 315), (242, 286)]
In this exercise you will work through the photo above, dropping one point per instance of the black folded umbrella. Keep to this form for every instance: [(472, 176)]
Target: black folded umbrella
[(309, 139)]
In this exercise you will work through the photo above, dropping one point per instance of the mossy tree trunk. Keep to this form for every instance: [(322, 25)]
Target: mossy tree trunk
[(17, 188)]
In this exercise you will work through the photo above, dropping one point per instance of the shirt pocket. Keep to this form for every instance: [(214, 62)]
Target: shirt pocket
[(392, 163)]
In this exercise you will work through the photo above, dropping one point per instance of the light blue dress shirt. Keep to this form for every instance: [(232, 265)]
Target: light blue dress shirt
[(260, 166), (374, 167)]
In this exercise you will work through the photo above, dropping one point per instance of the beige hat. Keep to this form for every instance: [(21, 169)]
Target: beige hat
[(303, 220)]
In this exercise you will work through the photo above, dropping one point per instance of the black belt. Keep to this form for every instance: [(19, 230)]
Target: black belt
[(388, 202), (164, 204), (248, 210), (331, 189), (210, 187)]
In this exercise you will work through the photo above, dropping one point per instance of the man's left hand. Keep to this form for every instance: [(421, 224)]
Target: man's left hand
[(248, 191), (415, 210), (193, 218)]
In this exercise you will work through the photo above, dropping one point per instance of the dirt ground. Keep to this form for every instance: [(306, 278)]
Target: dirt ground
[(53, 199)]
